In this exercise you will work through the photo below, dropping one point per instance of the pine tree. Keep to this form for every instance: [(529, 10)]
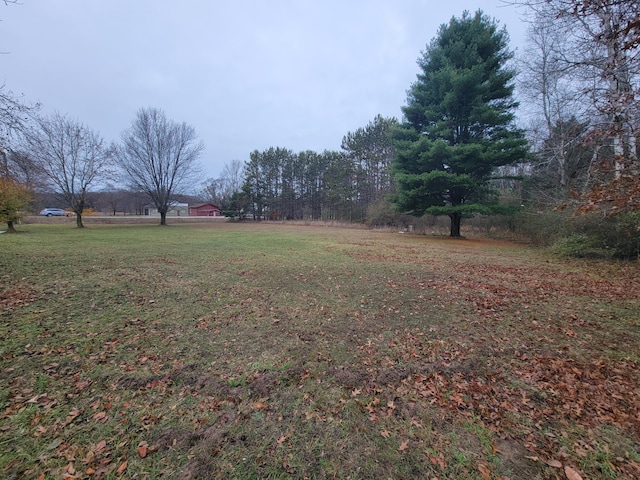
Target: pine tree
[(458, 123)]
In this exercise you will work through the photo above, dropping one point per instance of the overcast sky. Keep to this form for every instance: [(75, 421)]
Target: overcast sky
[(246, 74)]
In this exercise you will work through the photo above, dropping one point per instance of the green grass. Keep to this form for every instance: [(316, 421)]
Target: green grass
[(279, 351)]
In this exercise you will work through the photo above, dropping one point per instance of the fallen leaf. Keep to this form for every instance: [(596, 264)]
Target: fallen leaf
[(554, 463), (90, 471), (142, 451), (385, 433), (484, 470), (571, 473), (404, 445), (122, 467)]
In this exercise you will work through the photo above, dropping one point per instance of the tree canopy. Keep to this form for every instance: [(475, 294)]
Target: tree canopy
[(458, 122)]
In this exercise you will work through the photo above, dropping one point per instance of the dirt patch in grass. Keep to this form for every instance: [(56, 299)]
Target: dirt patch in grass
[(277, 351)]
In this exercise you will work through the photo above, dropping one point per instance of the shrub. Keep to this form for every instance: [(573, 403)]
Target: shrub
[(580, 246), (594, 236)]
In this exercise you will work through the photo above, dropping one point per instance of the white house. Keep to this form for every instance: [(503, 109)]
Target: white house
[(176, 209)]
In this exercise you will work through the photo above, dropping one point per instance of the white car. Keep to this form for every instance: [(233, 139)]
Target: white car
[(54, 212)]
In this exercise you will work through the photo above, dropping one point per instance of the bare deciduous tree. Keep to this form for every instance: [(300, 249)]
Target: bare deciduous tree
[(553, 105), (159, 157), (72, 157), (221, 190), (601, 55)]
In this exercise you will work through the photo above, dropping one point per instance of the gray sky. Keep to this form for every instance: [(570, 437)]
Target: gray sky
[(246, 74)]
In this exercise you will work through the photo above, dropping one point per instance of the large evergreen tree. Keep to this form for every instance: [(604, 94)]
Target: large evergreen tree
[(458, 122)]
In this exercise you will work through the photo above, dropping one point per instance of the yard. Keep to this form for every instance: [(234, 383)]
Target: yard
[(222, 350)]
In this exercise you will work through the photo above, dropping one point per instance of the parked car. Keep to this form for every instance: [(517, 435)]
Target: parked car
[(54, 212)]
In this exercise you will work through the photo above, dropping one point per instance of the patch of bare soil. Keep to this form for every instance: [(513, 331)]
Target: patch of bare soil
[(517, 461)]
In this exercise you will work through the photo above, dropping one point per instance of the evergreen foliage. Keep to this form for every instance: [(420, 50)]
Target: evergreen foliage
[(458, 122)]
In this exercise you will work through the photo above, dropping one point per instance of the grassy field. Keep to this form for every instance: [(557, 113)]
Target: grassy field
[(273, 351)]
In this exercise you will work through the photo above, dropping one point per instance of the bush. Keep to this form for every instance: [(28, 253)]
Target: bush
[(628, 239), (541, 228), (383, 214), (580, 246), (592, 236)]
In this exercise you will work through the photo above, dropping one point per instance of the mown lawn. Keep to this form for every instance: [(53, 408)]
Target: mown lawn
[(275, 351)]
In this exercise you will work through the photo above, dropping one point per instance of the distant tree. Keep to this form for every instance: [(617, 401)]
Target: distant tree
[(340, 197), (232, 176), (561, 162), (371, 151), (72, 157), (220, 191), (159, 157), (15, 198), (254, 186), (458, 122), (212, 191)]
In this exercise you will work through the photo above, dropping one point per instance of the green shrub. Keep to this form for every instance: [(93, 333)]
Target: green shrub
[(594, 236), (580, 246)]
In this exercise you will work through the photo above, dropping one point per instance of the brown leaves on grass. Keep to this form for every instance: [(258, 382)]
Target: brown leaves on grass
[(15, 296), (494, 289), (590, 393), (528, 397), (556, 389)]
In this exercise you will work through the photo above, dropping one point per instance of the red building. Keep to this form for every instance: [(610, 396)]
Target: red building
[(204, 210)]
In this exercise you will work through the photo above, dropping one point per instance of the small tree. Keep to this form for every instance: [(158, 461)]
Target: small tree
[(458, 122), (159, 157), (15, 198), (72, 156)]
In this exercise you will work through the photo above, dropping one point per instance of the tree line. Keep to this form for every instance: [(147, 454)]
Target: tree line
[(278, 183)]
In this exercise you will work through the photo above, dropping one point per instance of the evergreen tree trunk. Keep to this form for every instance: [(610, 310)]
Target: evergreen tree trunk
[(456, 220)]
